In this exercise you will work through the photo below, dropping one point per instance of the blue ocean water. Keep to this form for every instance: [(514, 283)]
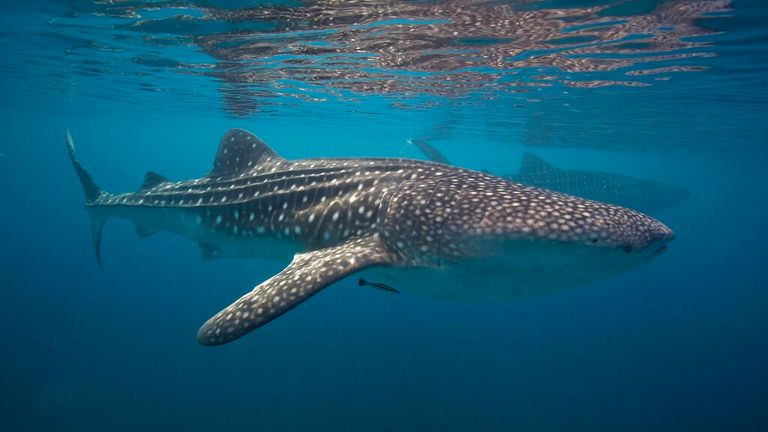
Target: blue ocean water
[(672, 91)]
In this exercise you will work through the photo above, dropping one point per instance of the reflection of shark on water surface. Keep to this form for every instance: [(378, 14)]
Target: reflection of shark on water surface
[(401, 223), (647, 196)]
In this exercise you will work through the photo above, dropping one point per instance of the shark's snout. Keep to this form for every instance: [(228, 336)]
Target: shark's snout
[(537, 214), (662, 236), (649, 235), (658, 235)]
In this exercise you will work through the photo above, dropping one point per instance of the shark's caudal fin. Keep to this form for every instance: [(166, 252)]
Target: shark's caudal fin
[(305, 276), (429, 151), (92, 191)]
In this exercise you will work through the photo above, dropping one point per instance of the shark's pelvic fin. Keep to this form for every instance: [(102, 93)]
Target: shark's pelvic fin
[(532, 164), (209, 251), (152, 179), (143, 232), (306, 275), (240, 151), (92, 192)]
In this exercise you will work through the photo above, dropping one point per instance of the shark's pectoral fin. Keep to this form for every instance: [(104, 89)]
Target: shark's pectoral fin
[(307, 274)]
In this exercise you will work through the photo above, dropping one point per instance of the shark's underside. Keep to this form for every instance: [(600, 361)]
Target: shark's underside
[(439, 225)]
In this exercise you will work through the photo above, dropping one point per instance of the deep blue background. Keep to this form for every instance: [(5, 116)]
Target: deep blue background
[(679, 344)]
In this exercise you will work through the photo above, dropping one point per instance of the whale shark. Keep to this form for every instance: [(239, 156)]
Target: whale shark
[(647, 196), (394, 223)]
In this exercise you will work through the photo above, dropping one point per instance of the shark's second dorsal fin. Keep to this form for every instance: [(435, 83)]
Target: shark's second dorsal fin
[(152, 179), (534, 164), (240, 151)]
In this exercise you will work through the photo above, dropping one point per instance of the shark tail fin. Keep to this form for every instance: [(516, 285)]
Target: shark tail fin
[(429, 151), (92, 191)]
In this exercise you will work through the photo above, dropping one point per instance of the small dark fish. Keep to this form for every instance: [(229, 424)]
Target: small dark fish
[(381, 286)]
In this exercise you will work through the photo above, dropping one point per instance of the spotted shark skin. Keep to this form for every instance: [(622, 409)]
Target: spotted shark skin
[(647, 196), (335, 217)]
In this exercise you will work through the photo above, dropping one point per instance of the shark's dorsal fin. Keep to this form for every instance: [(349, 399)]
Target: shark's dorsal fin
[(534, 164), (240, 151), (306, 275), (152, 179)]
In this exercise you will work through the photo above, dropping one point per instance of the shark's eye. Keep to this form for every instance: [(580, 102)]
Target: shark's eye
[(594, 240), (628, 248)]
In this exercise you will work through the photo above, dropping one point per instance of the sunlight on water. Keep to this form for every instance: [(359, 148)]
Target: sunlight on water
[(257, 57), (545, 69)]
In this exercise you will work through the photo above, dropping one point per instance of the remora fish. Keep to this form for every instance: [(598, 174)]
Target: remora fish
[(421, 224), (647, 196)]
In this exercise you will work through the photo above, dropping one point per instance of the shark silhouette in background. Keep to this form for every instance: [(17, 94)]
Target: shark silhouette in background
[(401, 223), (647, 196)]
